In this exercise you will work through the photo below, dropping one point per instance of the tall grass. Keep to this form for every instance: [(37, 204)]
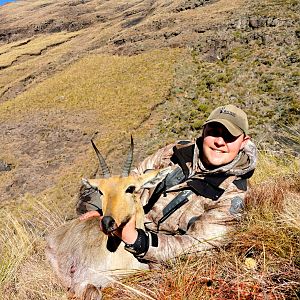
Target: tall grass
[(24, 272), (260, 262)]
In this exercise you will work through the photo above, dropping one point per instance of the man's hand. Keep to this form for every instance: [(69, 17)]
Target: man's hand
[(128, 233), (89, 215)]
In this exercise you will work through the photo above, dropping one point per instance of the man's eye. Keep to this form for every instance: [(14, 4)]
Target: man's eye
[(213, 132), (228, 138)]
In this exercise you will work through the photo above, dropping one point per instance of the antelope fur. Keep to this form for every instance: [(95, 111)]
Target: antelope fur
[(78, 250)]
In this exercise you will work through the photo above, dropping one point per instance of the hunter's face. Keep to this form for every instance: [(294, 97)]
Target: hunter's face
[(219, 146)]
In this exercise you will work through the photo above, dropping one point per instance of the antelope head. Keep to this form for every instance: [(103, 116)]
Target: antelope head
[(118, 193)]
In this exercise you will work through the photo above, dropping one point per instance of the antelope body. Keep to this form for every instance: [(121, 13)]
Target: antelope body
[(86, 258)]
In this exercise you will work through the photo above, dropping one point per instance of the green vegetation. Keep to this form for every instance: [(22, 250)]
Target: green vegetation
[(257, 70)]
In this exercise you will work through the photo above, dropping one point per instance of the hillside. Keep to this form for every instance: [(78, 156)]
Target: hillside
[(73, 69), (245, 53)]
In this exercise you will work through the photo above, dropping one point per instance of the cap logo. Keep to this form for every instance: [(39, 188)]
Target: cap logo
[(223, 110)]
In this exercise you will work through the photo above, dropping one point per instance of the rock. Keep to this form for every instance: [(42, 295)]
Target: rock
[(5, 167)]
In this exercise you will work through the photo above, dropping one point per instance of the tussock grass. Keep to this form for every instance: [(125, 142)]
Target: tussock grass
[(290, 216), (13, 239), (274, 165)]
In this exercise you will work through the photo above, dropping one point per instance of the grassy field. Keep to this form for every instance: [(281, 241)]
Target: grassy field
[(261, 262), (159, 95), (107, 94), (120, 92)]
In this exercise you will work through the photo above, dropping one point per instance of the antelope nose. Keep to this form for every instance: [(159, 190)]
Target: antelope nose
[(108, 224)]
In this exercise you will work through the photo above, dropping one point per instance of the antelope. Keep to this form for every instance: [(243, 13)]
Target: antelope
[(86, 258)]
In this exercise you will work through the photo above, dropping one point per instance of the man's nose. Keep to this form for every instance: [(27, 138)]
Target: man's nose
[(219, 141)]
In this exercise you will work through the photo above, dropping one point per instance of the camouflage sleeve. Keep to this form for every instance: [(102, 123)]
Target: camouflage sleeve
[(203, 232), (158, 160)]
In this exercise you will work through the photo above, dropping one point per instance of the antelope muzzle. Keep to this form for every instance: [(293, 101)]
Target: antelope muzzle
[(108, 225)]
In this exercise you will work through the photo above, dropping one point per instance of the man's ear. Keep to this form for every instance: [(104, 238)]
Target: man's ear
[(245, 141), (154, 177)]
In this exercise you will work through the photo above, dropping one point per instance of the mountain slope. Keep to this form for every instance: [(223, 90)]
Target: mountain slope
[(54, 34), (73, 70), (38, 47)]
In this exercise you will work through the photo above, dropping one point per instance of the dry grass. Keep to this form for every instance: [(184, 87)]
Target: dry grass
[(24, 272), (123, 84), (29, 58), (274, 165), (126, 83), (261, 262), (32, 48), (111, 95), (106, 23)]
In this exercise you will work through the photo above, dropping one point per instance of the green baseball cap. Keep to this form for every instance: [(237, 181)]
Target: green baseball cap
[(232, 117)]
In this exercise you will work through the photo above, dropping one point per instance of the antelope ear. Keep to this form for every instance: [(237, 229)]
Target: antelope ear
[(154, 177), (86, 183)]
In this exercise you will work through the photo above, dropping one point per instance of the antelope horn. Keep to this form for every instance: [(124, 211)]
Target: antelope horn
[(103, 166), (128, 162)]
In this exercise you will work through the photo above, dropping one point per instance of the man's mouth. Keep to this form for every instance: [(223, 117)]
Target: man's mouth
[(218, 150)]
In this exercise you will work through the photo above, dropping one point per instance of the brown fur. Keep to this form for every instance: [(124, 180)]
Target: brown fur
[(78, 250)]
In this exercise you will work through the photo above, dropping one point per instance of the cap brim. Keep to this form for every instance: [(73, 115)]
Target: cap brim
[(233, 129)]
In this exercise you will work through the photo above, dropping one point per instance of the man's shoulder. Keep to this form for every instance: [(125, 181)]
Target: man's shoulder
[(170, 148), (178, 152), (184, 142), (184, 149)]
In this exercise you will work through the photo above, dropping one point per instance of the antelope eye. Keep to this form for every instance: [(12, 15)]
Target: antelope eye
[(130, 189)]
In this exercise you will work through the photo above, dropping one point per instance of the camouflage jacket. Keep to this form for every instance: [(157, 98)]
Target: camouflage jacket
[(196, 207)]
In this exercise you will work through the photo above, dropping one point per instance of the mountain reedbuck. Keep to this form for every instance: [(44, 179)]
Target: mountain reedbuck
[(86, 258)]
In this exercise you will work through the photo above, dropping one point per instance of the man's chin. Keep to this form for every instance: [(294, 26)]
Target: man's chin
[(218, 161)]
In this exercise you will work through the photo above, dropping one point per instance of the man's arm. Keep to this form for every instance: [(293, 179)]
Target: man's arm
[(205, 231)]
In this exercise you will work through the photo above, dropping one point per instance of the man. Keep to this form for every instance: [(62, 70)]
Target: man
[(203, 197)]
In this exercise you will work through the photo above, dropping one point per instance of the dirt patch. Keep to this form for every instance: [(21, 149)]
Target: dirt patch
[(40, 150)]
